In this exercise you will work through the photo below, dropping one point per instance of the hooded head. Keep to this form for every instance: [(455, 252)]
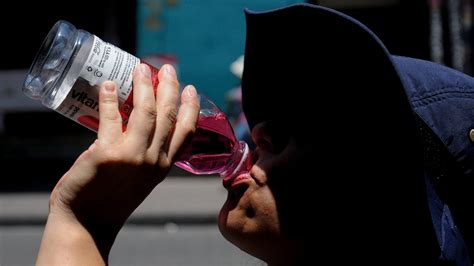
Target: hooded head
[(356, 110)]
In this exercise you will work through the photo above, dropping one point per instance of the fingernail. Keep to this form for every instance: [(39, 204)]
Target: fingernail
[(191, 91), (169, 70), (109, 87), (145, 70)]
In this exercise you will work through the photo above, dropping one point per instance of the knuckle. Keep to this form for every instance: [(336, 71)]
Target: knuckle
[(163, 159), (170, 112), (195, 105), (151, 158), (108, 110), (106, 98), (137, 160), (171, 83), (171, 115), (111, 156), (111, 116), (188, 128), (124, 157), (149, 110)]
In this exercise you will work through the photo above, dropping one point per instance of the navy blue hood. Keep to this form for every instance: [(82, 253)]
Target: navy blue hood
[(325, 74)]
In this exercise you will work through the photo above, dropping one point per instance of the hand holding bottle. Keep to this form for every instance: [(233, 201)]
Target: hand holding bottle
[(72, 63), (108, 181)]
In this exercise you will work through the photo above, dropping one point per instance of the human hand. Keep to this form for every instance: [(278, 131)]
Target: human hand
[(109, 180)]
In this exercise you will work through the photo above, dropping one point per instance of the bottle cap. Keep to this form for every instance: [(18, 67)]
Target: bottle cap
[(50, 61)]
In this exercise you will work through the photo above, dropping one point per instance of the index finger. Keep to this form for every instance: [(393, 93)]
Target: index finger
[(110, 120)]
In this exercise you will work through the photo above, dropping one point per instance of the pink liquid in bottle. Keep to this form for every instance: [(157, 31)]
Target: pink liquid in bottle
[(214, 147)]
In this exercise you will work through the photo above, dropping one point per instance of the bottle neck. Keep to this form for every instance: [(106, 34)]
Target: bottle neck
[(241, 162)]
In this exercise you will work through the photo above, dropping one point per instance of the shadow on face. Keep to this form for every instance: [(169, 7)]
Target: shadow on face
[(333, 186), (266, 215)]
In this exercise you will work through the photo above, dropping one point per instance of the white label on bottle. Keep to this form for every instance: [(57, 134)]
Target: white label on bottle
[(107, 62), (104, 62)]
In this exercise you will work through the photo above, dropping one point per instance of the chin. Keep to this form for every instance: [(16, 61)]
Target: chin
[(233, 214), (232, 220), (226, 222), (266, 246)]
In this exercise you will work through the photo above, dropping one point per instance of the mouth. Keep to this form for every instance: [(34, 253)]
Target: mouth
[(237, 186), (233, 183)]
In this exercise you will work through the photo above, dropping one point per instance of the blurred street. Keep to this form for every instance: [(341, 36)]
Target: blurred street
[(176, 225)]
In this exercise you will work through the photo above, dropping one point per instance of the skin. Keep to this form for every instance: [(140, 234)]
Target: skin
[(251, 217), (107, 182), (92, 201)]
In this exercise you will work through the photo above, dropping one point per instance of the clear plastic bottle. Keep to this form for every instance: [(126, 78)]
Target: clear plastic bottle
[(72, 63)]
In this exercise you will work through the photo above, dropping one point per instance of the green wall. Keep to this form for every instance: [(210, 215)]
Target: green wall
[(205, 36)]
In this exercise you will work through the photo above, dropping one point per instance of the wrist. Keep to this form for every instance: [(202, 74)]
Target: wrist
[(82, 218), (67, 241)]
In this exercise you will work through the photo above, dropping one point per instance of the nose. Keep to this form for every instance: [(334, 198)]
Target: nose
[(261, 138), (269, 137)]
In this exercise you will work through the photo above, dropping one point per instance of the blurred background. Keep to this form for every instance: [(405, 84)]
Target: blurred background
[(205, 40)]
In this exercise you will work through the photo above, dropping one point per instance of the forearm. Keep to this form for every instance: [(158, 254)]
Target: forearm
[(92, 201), (66, 242)]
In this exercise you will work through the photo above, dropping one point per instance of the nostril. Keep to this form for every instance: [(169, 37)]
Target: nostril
[(250, 212)]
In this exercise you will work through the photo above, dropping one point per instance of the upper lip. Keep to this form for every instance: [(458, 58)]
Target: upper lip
[(227, 183)]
